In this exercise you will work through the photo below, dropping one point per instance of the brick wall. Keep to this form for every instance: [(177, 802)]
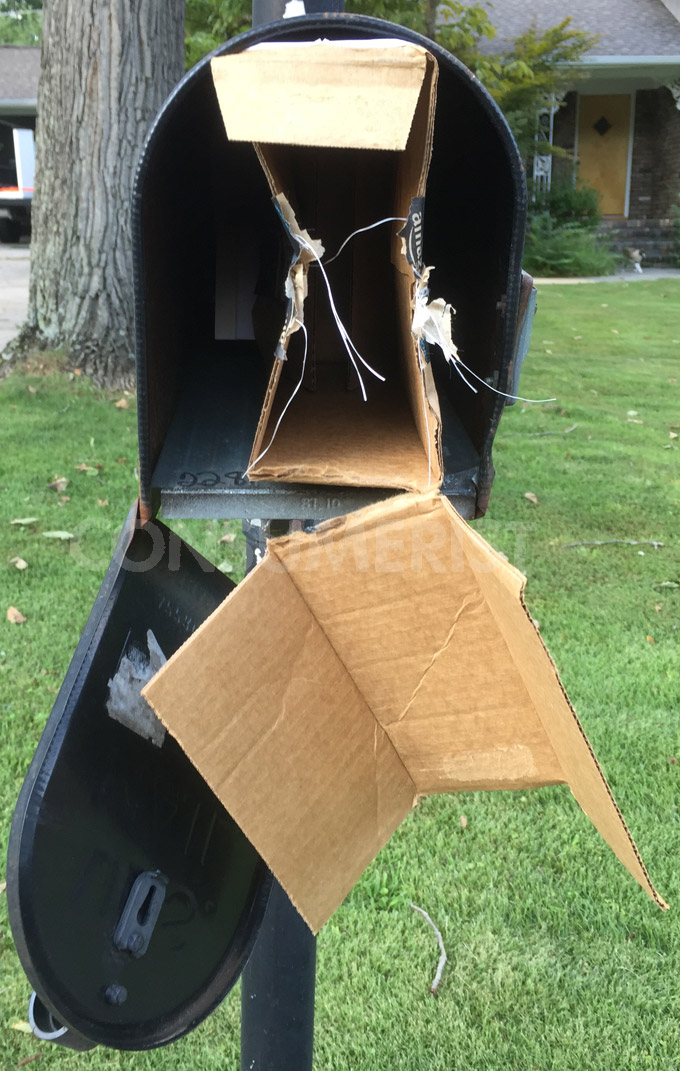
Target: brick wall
[(655, 171), (645, 160), (564, 135), (667, 190)]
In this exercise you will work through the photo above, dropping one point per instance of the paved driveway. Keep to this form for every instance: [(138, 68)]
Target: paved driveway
[(14, 262)]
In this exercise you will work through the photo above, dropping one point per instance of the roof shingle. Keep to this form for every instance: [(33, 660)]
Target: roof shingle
[(19, 72), (625, 27)]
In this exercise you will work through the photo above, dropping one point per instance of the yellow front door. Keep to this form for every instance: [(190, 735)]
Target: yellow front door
[(603, 148)]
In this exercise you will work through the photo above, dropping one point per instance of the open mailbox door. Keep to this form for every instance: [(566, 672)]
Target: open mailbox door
[(134, 898)]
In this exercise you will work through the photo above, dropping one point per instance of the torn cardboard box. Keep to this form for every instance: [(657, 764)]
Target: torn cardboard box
[(343, 131), (387, 656)]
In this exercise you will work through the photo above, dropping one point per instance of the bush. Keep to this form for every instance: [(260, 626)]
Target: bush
[(571, 204), (554, 248)]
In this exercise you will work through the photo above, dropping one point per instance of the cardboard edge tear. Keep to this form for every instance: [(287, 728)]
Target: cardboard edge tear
[(646, 883), (642, 876)]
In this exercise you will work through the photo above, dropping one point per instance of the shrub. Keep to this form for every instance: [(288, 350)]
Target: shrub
[(571, 204), (554, 248)]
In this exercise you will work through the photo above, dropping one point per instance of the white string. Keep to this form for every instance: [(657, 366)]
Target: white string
[(288, 403), (452, 356), (512, 397), (347, 342), (389, 219), (427, 425)]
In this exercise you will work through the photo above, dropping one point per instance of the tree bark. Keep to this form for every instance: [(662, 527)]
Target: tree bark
[(106, 67), (430, 18)]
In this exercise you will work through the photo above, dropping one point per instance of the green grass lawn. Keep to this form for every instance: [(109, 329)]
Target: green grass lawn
[(558, 960)]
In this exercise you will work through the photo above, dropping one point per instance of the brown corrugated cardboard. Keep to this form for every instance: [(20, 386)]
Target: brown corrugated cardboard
[(343, 131), (347, 94), (386, 656)]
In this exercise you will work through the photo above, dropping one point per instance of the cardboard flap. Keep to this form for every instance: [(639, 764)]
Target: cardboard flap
[(342, 94), (393, 656), (268, 713)]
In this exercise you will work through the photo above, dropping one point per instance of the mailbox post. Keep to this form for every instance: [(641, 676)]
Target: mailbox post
[(278, 982)]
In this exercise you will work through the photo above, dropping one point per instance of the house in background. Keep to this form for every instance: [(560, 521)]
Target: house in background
[(19, 72), (620, 118)]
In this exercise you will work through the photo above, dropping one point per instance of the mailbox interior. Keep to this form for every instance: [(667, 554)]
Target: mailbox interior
[(205, 226), (326, 416), (328, 424)]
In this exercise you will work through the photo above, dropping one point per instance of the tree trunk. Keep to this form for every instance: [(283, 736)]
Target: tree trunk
[(106, 67), (430, 17)]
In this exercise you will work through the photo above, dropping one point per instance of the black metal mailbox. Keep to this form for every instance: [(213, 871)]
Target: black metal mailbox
[(201, 209), (202, 216)]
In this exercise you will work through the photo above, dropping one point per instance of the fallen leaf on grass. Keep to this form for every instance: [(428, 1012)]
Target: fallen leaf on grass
[(22, 1026), (614, 331), (657, 607), (650, 639), (3, 886), (59, 535), (25, 520), (77, 371), (225, 567), (632, 420), (14, 616), (60, 483), (463, 822), (228, 538), (122, 403), (531, 496), (672, 434), (103, 502), (121, 460), (32, 390), (18, 563), (673, 761), (30, 1059)]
